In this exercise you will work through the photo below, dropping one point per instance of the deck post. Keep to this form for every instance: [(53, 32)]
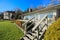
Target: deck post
[(47, 20), (25, 28), (38, 34)]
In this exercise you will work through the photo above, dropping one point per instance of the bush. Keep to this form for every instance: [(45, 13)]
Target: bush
[(19, 23), (53, 31)]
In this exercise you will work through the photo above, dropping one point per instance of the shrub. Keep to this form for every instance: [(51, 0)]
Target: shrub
[(53, 31), (19, 23)]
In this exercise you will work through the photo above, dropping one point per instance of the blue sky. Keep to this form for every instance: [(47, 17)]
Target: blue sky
[(21, 4)]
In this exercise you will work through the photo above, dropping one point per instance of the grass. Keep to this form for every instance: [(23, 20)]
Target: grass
[(9, 31)]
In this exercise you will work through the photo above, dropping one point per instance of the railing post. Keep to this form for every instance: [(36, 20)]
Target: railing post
[(47, 20), (25, 24), (38, 34), (25, 28)]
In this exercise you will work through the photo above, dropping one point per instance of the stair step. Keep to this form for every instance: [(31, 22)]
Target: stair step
[(42, 39), (30, 34), (31, 37), (35, 39), (25, 38), (41, 34), (33, 32)]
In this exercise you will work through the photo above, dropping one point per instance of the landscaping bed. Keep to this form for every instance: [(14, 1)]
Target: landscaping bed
[(19, 23)]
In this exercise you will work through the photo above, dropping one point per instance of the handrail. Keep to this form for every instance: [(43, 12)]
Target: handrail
[(44, 19), (28, 21), (25, 24), (29, 26), (42, 34), (39, 23)]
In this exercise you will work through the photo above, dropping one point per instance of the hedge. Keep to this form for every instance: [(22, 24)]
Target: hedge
[(53, 31)]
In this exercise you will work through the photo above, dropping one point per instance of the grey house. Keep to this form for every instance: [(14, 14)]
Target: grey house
[(52, 11)]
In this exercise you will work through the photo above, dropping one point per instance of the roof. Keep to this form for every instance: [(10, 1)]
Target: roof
[(10, 11), (45, 9)]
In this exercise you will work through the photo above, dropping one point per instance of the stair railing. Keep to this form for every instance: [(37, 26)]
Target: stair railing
[(45, 24), (25, 24), (45, 20), (40, 22)]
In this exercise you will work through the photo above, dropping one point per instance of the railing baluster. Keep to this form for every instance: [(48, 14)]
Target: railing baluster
[(29, 20), (39, 23), (38, 34), (29, 26), (25, 24), (47, 20), (25, 28)]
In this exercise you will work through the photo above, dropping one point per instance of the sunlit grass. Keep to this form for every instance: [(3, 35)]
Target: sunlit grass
[(9, 31)]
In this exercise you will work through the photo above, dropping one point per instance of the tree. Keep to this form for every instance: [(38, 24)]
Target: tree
[(18, 13), (40, 7), (13, 16), (1, 15), (28, 10)]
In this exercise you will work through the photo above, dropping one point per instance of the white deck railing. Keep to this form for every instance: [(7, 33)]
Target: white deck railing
[(40, 25), (25, 24), (40, 22)]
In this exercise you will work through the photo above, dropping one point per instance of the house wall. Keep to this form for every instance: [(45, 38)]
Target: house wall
[(10, 16), (38, 16), (6, 15)]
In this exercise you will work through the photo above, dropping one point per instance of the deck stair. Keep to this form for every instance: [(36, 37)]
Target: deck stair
[(37, 32), (25, 24)]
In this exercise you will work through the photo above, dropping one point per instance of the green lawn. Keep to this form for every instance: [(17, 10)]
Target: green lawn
[(9, 31)]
